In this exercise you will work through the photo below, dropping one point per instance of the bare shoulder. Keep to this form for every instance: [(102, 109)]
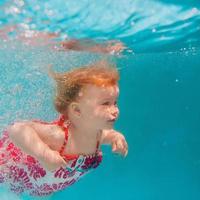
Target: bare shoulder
[(51, 134)]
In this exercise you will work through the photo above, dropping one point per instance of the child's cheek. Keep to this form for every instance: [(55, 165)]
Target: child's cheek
[(100, 112)]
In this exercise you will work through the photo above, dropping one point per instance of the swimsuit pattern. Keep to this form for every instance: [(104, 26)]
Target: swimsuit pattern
[(23, 173)]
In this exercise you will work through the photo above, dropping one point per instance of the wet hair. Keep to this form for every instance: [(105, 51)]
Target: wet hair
[(69, 84)]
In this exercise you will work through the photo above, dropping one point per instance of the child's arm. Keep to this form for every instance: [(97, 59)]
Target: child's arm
[(116, 140), (24, 136)]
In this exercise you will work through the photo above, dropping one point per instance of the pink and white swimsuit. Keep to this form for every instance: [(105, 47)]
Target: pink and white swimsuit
[(23, 173)]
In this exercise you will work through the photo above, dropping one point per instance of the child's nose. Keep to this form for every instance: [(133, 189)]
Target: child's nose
[(115, 111)]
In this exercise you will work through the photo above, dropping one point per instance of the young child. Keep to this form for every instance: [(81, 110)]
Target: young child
[(40, 157)]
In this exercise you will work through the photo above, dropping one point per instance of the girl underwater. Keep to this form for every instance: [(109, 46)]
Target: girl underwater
[(40, 158)]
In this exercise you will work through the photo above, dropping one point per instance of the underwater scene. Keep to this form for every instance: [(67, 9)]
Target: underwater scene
[(157, 54)]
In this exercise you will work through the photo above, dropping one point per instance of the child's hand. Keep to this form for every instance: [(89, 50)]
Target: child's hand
[(119, 144), (51, 160)]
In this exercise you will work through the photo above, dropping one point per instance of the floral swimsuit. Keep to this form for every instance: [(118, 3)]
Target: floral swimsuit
[(23, 173)]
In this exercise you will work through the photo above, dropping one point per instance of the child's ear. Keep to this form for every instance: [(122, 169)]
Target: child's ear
[(75, 109)]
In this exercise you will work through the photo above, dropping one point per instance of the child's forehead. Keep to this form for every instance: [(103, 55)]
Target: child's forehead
[(99, 92)]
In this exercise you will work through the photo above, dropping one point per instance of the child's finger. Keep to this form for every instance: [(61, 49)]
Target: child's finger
[(125, 143), (124, 149), (121, 148), (119, 144), (114, 147), (126, 153), (63, 161)]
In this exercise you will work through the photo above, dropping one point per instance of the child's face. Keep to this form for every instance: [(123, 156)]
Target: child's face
[(98, 106)]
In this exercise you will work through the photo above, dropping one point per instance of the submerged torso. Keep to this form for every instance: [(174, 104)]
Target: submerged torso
[(24, 173)]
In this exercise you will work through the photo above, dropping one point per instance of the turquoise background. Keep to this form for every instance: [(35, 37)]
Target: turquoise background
[(159, 91)]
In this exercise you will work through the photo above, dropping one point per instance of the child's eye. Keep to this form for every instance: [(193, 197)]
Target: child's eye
[(106, 103)]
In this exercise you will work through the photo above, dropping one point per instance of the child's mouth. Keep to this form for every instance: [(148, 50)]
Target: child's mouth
[(112, 120)]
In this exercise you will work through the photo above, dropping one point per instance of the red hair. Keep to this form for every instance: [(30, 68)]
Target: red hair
[(69, 84)]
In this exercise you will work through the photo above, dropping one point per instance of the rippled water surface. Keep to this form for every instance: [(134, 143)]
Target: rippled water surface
[(145, 25)]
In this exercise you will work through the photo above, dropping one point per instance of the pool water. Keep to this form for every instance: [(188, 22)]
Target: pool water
[(159, 90)]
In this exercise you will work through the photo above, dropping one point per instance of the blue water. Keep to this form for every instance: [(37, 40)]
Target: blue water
[(159, 89)]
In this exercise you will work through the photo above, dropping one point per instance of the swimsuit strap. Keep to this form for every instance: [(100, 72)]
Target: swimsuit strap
[(97, 146), (60, 122)]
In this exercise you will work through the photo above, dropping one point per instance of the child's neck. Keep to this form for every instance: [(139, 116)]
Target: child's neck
[(84, 137), (84, 134)]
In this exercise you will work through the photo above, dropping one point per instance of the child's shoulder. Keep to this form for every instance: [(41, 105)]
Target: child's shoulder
[(50, 133), (46, 128)]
